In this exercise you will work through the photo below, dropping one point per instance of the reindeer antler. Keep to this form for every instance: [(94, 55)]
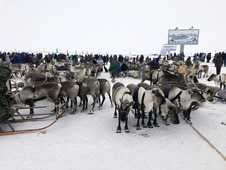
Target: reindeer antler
[(17, 87), (192, 81)]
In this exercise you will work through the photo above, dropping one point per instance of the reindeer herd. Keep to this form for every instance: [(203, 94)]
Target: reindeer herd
[(168, 94)]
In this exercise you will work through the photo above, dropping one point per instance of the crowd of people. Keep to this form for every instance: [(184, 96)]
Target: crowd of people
[(219, 60), (117, 62)]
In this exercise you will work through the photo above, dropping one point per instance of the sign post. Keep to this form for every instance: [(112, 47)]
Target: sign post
[(183, 37)]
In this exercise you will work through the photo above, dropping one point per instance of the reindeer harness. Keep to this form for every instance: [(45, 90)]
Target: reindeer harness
[(166, 92), (135, 98)]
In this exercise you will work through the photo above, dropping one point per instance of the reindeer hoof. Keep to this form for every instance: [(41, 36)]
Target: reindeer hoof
[(144, 126), (100, 108), (156, 125), (91, 113), (127, 131), (167, 124), (115, 116), (118, 131), (150, 126), (138, 128)]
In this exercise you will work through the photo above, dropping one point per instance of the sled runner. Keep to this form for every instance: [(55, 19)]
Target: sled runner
[(221, 96), (10, 126)]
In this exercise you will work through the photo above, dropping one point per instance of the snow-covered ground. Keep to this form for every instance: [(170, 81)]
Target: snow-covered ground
[(90, 142)]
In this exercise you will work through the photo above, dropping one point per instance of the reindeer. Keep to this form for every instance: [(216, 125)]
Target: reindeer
[(30, 94), (33, 78), (185, 99), (89, 86), (70, 90), (46, 66), (210, 91), (20, 68), (105, 87), (123, 102), (162, 106), (202, 69), (169, 78), (147, 100), (218, 79), (153, 75)]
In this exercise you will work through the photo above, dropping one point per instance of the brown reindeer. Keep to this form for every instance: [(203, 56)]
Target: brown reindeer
[(105, 87), (202, 69), (29, 94), (70, 90), (89, 86)]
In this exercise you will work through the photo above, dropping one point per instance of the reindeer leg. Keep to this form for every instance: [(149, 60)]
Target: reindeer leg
[(57, 107), (74, 106), (94, 103), (63, 101), (115, 114), (80, 104), (165, 121), (31, 104), (126, 126), (187, 114), (83, 105), (149, 120), (86, 103), (100, 107), (138, 118), (71, 102), (110, 99), (143, 116), (119, 125), (155, 118)]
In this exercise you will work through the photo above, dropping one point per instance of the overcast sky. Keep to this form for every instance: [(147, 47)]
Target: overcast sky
[(109, 26)]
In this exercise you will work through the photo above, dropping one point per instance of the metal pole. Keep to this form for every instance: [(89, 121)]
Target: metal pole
[(182, 48)]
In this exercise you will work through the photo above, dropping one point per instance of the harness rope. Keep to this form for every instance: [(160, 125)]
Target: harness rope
[(205, 139)]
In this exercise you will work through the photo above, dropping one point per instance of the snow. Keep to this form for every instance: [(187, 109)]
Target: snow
[(90, 142)]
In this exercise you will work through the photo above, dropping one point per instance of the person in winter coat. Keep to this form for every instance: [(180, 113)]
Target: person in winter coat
[(218, 63), (154, 64), (118, 68), (141, 59), (197, 61), (188, 62), (224, 58), (208, 57), (124, 68), (113, 69)]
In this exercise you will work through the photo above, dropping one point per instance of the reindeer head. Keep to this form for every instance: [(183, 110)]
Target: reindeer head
[(158, 95), (170, 110), (210, 92), (212, 77), (126, 106)]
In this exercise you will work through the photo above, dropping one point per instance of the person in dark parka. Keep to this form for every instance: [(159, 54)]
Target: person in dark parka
[(218, 63), (113, 69)]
